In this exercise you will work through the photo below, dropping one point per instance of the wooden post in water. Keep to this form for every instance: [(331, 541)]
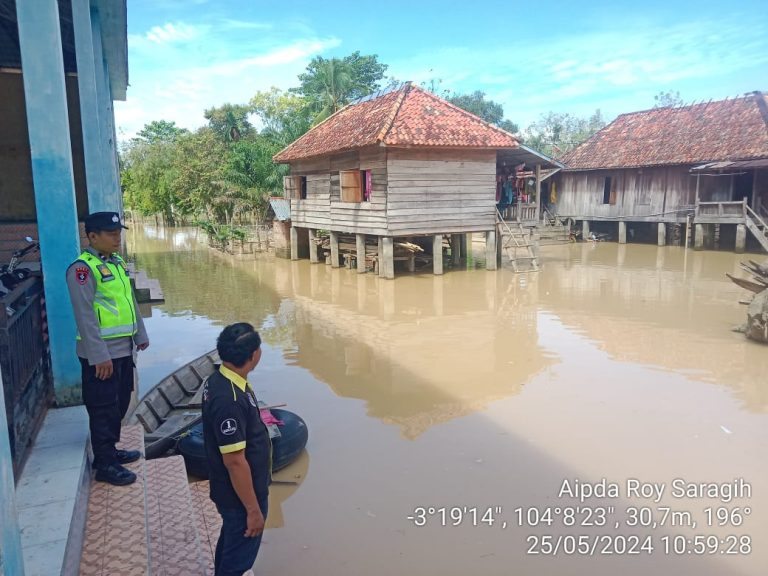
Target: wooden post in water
[(538, 192), (698, 239), (313, 248), (294, 243), (388, 263), (334, 249), (360, 245), (456, 249), (490, 250), (437, 254)]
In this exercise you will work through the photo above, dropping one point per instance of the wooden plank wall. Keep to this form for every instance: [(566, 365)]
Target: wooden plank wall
[(323, 207), (363, 217), (647, 194), (440, 191)]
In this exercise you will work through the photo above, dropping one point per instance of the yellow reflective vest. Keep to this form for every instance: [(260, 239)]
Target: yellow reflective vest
[(113, 301)]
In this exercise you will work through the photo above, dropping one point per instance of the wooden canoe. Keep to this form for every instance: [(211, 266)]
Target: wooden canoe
[(755, 287), (173, 405)]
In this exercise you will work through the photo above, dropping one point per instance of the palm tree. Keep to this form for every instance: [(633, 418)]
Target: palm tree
[(336, 79)]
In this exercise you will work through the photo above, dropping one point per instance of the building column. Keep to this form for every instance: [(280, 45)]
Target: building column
[(490, 250), (622, 232), (662, 238), (387, 266), (98, 197), (538, 193), (437, 254), (360, 245), (313, 248), (110, 197), (52, 176), (334, 249), (11, 555), (698, 237), (463, 241), (741, 238), (585, 229), (294, 243)]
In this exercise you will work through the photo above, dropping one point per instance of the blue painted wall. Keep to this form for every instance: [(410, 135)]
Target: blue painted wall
[(11, 559)]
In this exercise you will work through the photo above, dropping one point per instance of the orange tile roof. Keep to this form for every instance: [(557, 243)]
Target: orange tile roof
[(724, 130), (405, 116)]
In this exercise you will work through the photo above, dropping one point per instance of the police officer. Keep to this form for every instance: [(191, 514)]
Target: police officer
[(108, 326), (238, 450)]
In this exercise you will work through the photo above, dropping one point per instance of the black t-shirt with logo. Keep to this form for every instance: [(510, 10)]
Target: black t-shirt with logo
[(232, 422)]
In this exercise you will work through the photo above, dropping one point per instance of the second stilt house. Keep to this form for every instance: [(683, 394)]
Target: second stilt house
[(396, 172)]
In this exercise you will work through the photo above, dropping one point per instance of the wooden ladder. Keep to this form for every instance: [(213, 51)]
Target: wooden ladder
[(514, 240)]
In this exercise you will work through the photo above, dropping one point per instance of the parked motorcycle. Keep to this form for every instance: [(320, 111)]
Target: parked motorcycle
[(10, 274)]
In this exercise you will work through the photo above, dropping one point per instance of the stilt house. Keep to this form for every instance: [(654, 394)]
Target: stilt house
[(701, 168), (400, 163)]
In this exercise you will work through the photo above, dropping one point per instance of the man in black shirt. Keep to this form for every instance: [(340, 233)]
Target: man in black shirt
[(238, 450)]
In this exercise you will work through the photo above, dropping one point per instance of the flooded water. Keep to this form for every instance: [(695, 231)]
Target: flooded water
[(471, 398)]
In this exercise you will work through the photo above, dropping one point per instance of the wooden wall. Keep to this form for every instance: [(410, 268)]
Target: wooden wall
[(650, 194), (440, 191), (413, 192)]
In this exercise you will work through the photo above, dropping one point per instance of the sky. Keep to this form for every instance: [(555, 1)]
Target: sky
[(532, 57)]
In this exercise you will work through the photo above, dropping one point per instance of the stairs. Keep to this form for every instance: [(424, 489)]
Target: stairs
[(518, 244), (147, 528), (758, 227)]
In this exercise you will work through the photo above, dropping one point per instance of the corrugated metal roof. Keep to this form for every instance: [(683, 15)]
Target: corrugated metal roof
[(734, 129), (282, 208), (404, 116)]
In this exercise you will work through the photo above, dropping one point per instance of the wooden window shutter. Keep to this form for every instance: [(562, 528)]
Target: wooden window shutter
[(612, 199), (351, 187), (289, 187)]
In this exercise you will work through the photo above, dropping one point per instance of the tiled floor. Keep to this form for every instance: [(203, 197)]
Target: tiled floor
[(208, 521), (173, 536), (47, 493), (116, 534)]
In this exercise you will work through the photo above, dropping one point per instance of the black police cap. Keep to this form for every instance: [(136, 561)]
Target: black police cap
[(98, 221)]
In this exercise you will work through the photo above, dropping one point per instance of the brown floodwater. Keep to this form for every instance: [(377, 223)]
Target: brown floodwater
[(476, 395)]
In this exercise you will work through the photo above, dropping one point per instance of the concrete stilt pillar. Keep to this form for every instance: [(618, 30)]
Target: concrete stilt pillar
[(585, 229), (294, 243), (437, 254), (45, 97), (334, 249), (360, 245), (313, 252), (698, 239), (463, 239), (388, 260), (380, 258), (741, 238), (456, 249), (622, 232), (490, 250), (662, 234)]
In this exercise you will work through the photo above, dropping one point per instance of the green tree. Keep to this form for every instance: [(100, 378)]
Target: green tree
[(557, 133), (160, 131), (668, 99), (230, 121), (284, 116), (329, 85), (490, 111), (251, 178)]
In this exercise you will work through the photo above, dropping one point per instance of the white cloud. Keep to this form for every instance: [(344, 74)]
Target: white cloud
[(171, 32)]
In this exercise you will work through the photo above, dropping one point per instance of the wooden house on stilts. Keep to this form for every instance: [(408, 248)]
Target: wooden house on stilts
[(666, 175), (401, 165)]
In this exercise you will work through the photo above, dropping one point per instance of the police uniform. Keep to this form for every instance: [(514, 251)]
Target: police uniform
[(232, 422), (108, 326)]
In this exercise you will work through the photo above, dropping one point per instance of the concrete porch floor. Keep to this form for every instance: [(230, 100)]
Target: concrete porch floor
[(52, 494)]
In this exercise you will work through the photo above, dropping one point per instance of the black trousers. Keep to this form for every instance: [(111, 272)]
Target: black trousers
[(107, 402)]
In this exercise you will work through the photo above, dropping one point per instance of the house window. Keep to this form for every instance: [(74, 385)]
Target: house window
[(295, 187), (355, 185), (607, 197)]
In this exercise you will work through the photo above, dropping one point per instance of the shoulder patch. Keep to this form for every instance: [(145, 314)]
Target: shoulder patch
[(229, 426), (81, 274)]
